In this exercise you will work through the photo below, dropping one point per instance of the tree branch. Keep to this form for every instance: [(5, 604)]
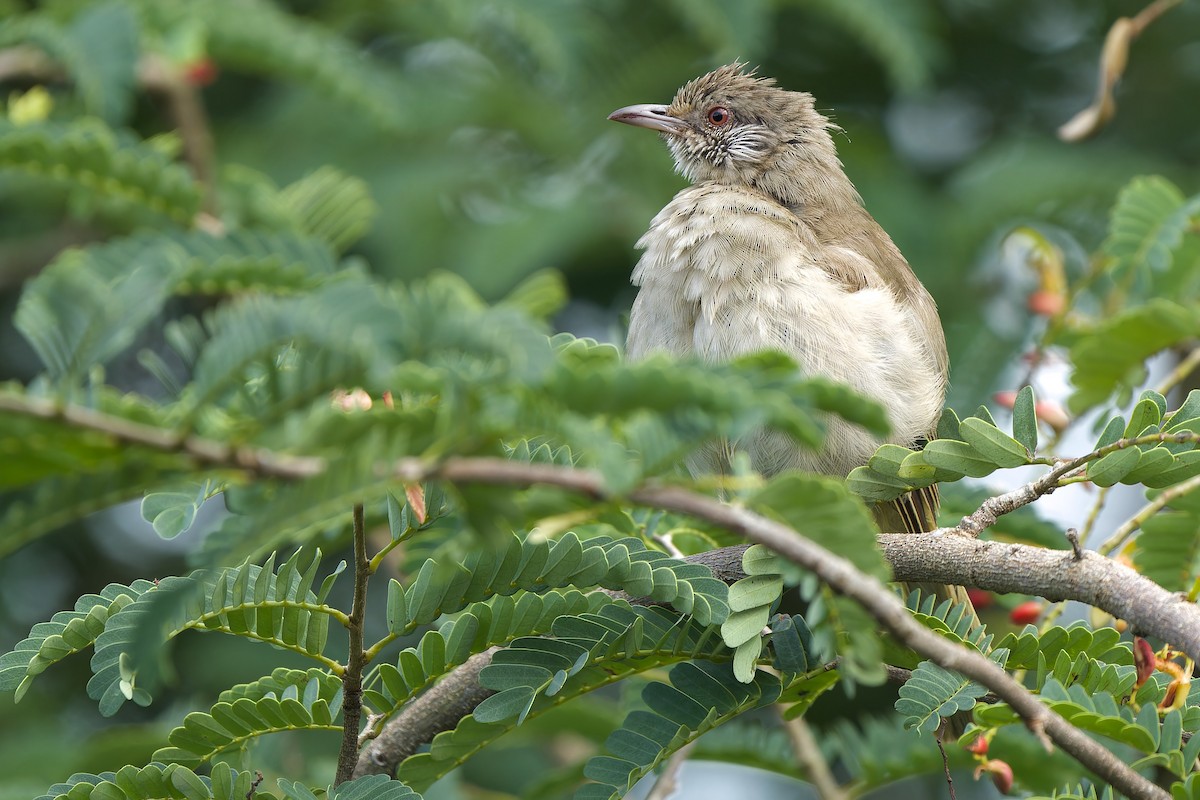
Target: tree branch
[(809, 756), (836, 572), (1053, 574), (205, 452), (352, 688), (995, 507), (438, 709)]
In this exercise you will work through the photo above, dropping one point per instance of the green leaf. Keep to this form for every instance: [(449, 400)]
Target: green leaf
[(823, 510), (514, 702), (754, 591), (172, 513), (1145, 414), (742, 626), (948, 424), (1025, 420), (1113, 467), (1147, 224), (871, 485), (958, 457), (992, 444), (933, 694), (1111, 354)]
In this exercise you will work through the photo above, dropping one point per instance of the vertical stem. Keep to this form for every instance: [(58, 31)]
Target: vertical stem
[(811, 760), (352, 677), (668, 781)]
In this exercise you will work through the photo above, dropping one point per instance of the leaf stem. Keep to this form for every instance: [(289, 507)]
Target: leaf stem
[(1132, 524), (1186, 366)]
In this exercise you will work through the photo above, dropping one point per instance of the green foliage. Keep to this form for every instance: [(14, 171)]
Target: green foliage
[(1167, 549), (259, 38), (626, 564), (699, 697), (586, 652), (284, 701), (127, 179), (972, 447), (89, 304), (497, 621), (66, 633), (1111, 355), (1147, 225), (264, 604), (278, 607), (976, 447), (933, 694), (158, 781), (238, 299), (1079, 792), (1031, 649)]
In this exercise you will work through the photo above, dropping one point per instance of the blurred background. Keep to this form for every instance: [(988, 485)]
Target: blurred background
[(480, 128)]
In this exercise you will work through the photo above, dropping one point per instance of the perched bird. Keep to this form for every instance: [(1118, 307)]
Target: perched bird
[(771, 248)]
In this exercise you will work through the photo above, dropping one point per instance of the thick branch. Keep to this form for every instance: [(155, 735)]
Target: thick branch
[(437, 710), (1053, 574), (882, 604)]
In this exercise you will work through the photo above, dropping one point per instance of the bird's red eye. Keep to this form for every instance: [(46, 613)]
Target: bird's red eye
[(718, 116)]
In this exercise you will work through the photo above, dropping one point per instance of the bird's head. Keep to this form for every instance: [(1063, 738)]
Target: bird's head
[(732, 127)]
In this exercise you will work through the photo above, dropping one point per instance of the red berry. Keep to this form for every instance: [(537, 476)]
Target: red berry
[(980, 598), (200, 72), (979, 747), (1027, 613), (1005, 399), (1046, 304), (1053, 414)]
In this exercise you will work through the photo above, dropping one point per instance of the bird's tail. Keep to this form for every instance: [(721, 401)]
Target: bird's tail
[(916, 512)]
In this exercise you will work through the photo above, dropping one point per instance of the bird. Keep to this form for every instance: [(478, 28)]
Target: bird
[(771, 247)]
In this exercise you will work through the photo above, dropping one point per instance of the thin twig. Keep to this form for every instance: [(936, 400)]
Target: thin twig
[(1186, 366), (668, 780), (946, 766), (186, 109), (1131, 525), (1090, 523), (205, 452), (1113, 60), (1063, 473), (352, 678), (811, 760), (664, 540)]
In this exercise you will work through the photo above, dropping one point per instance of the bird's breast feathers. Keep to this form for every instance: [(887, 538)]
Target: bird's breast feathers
[(728, 271)]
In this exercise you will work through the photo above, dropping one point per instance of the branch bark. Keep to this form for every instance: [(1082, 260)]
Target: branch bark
[(439, 709), (352, 678)]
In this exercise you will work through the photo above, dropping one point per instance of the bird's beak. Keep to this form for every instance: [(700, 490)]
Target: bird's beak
[(653, 117)]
